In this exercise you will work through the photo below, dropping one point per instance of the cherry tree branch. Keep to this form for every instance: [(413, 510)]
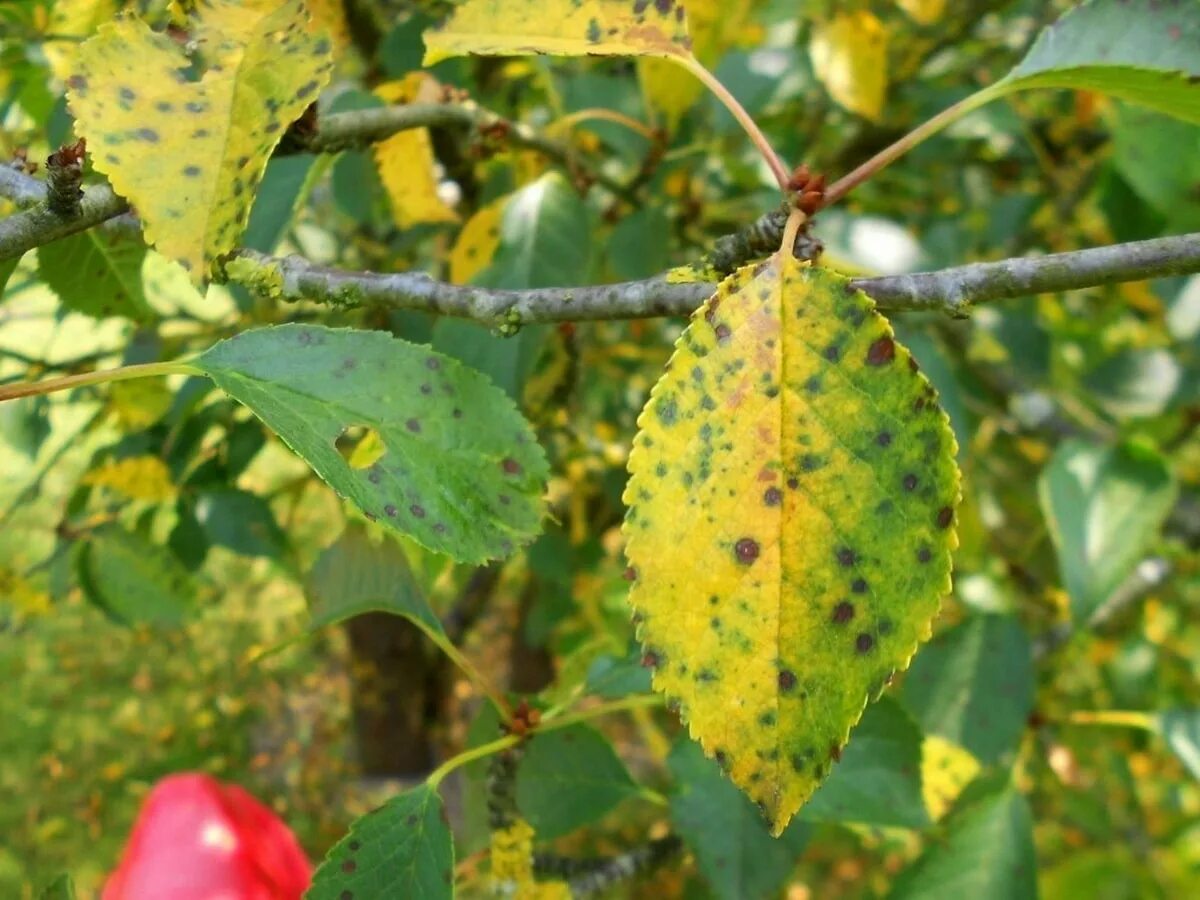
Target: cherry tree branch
[(951, 291)]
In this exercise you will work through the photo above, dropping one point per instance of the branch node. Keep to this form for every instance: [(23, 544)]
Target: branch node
[(64, 177)]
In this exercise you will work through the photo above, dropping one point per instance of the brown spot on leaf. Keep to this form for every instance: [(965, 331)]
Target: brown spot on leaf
[(510, 466), (843, 612), (944, 517), (864, 642), (882, 352), (773, 496), (746, 550), (787, 680)]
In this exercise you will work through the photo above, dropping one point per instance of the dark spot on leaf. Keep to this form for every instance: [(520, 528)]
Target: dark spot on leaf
[(191, 171), (864, 642), (390, 511), (349, 866), (127, 94), (910, 482), (793, 483), (884, 439), (413, 425), (510, 466), (746, 550), (146, 134), (787, 679), (832, 353), (722, 331), (417, 510), (354, 845), (846, 556), (924, 554), (427, 389), (859, 586), (650, 660), (773, 496), (843, 612), (881, 352), (944, 517)]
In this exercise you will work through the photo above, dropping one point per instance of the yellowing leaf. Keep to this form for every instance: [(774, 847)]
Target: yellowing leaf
[(561, 28), (511, 856), (924, 12), (329, 17), (73, 19), (135, 477), (477, 242), (17, 592), (946, 769), (714, 26), (849, 55), (791, 510), (406, 162), (189, 154)]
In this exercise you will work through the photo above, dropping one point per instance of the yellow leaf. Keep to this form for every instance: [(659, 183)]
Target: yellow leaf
[(924, 12), (16, 590), (136, 477), (511, 857), (849, 55), (329, 17), (946, 769), (477, 242), (561, 28), (406, 161), (791, 509), (189, 154), (714, 26), (73, 18)]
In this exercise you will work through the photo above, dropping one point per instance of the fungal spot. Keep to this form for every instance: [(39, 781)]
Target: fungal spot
[(426, 388), (746, 550), (349, 866), (594, 32), (346, 895), (843, 612), (832, 353), (772, 496), (885, 627), (722, 332), (667, 411), (787, 680), (859, 586), (417, 510), (835, 753), (354, 845), (510, 466), (630, 574), (439, 527), (884, 439), (793, 483), (910, 482), (944, 517), (846, 556), (924, 554), (390, 511), (146, 134), (457, 413), (882, 352), (864, 642), (651, 660), (127, 94), (413, 425), (191, 171), (767, 719)]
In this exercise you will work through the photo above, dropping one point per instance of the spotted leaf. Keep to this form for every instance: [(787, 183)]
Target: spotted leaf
[(561, 28), (460, 471), (188, 154), (791, 503), (476, 244)]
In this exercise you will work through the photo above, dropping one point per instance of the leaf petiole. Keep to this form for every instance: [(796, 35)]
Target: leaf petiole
[(69, 382)]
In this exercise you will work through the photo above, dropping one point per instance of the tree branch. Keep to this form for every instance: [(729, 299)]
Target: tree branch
[(949, 291)]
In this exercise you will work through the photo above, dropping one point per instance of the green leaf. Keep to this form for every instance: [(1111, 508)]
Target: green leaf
[(561, 28), (61, 888), (733, 846), (461, 473), (25, 424), (240, 521), (612, 677), (97, 274), (1159, 157), (1145, 51), (133, 580), (878, 780), (792, 500), (640, 244), (7, 267), (1104, 507), (569, 778), (986, 854), (187, 153), (506, 361), (544, 238), (1180, 728), (973, 685), (402, 849), (283, 187), (356, 575)]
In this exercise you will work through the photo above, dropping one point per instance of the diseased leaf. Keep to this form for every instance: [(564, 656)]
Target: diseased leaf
[(561, 28), (462, 473), (734, 850), (143, 477), (133, 580), (849, 55), (1104, 506), (986, 854), (97, 274), (973, 685), (569, 778), (189, 154), (73, 19), (946, 769), (878, 780), (406, 161), (402, 849), (1145, 51), (477, 242), (356, 575), (791, 500)]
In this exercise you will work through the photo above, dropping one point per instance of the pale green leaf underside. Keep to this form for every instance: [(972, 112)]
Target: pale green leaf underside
[(462, 473), (1144, 51), (402, 849)]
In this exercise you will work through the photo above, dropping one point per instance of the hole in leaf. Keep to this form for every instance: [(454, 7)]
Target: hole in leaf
[(361, 446)]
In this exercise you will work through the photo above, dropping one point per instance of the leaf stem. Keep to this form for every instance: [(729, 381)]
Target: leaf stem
[(469, 756), (890, 154), (608, 115), (469, 669), (778, 168), (67, 382), (1117, 718)]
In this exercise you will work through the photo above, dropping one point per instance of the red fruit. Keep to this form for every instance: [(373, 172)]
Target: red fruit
[(198, 839)]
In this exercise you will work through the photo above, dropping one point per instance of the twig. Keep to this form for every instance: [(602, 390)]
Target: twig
[(588, 876), (950, 291)]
